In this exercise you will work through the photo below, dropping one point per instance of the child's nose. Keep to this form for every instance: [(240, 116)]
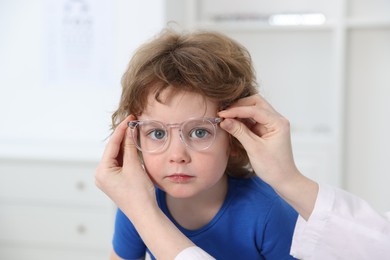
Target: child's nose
[(177, 149)]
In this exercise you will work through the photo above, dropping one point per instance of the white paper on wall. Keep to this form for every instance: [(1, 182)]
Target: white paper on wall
[(79, 43)]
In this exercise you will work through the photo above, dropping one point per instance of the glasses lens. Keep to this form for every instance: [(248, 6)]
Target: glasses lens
[(150, 136), (198, 134)]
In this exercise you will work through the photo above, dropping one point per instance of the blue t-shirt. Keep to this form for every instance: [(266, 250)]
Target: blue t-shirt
[(253, 223)]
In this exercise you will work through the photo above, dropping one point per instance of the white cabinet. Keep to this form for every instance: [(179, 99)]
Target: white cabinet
[(324, 65), (52, 210)]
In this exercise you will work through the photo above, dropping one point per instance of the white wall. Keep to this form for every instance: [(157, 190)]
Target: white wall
[(367, 115), (68, 115)]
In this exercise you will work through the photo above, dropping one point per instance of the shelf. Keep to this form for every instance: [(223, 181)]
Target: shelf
[(353, 23), (261, 26)]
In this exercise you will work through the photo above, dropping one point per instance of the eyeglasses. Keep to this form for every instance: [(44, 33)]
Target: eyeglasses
[(153, 136)]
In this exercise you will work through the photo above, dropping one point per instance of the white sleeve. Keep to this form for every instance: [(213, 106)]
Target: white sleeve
[(341, 226), (193, 253)]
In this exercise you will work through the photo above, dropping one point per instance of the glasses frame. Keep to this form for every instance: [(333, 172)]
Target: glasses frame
[(133, 124)]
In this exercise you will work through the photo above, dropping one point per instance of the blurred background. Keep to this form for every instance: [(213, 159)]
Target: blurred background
[(325, 65)]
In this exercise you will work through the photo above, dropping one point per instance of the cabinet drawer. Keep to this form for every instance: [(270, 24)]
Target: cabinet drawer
[(76, 228), (19, 252), (57, 182)]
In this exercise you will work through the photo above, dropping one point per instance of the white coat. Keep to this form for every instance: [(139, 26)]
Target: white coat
[(342, 226)]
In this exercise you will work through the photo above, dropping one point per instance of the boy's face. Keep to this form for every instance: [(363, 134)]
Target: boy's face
[(178, 170)]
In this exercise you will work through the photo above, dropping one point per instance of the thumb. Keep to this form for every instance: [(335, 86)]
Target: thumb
[(237, 129), (130, 152)]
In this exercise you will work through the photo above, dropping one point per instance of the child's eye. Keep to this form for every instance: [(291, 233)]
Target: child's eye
[(199, 133), (157, 134)]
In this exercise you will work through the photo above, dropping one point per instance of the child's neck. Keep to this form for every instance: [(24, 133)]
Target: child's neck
[(195, 212)]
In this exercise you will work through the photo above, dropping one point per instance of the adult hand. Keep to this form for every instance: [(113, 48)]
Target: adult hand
[(121, 176), (265, 135), (120, 173)]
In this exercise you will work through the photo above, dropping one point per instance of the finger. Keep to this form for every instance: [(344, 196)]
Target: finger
[(113, 146), (258, 120), (259, 115), (239, 130), (130, 152)]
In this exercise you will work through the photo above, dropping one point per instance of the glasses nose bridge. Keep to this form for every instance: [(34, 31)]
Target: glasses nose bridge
[(180, 127)]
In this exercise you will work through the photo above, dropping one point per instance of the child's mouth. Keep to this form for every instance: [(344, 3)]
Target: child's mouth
[(180, 178)]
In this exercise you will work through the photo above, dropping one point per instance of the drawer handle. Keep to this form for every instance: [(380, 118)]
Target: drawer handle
[(80, 186), (81, 229)]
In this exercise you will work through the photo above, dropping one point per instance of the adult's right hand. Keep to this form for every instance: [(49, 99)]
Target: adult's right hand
[(121, 176)]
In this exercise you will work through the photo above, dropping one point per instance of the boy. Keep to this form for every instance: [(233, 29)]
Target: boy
[(190, 179)]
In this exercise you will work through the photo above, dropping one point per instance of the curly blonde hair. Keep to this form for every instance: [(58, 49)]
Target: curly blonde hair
[(208, 63)]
